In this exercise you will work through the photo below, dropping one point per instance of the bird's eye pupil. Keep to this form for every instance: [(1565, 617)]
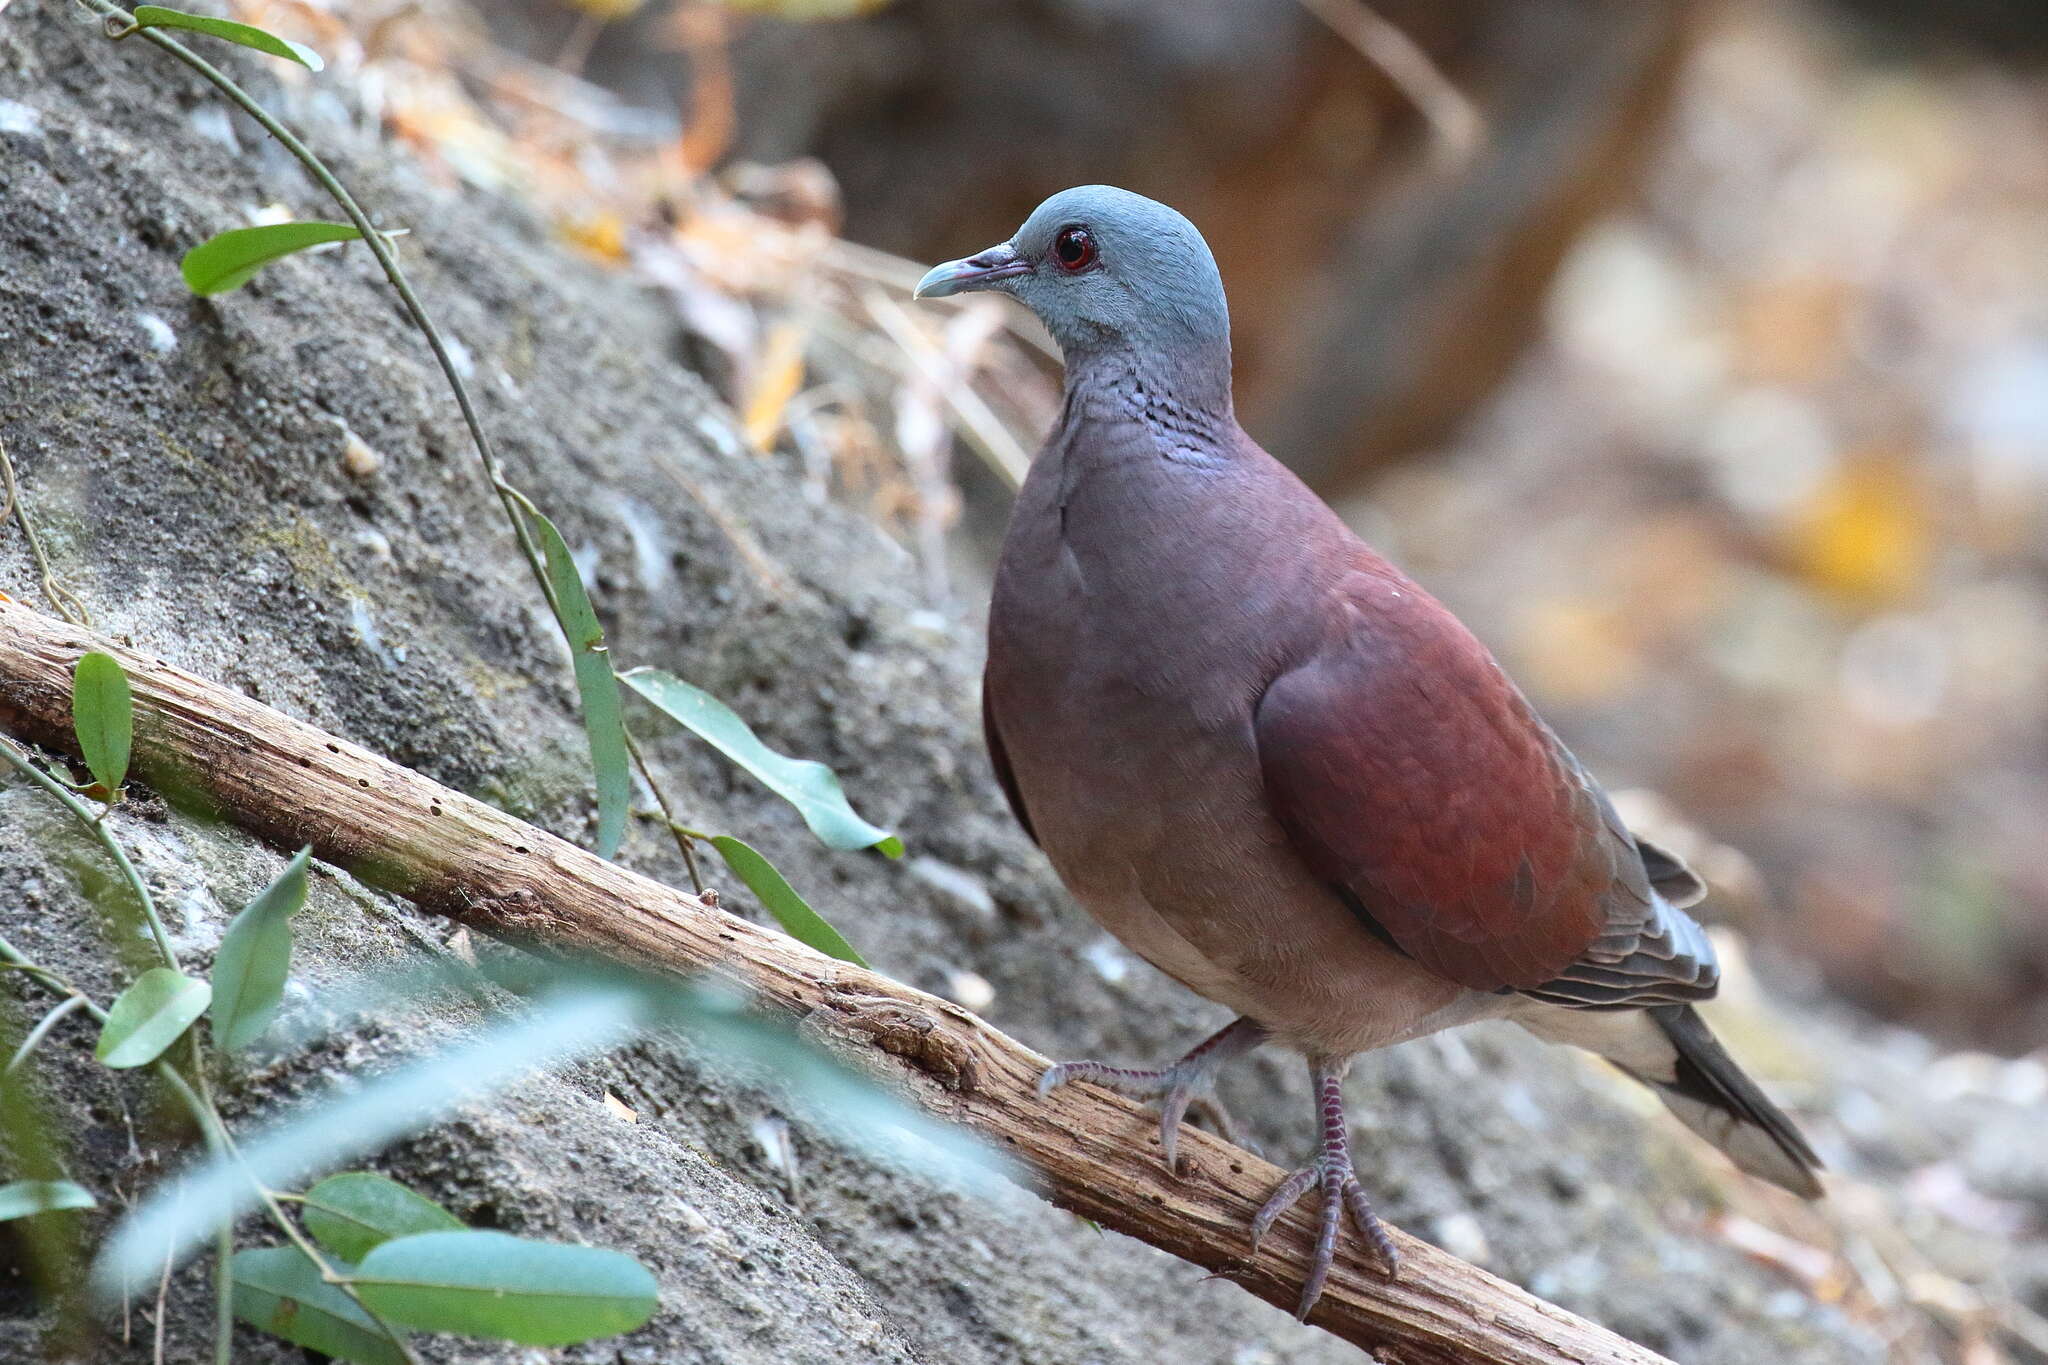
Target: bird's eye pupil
[(1074, 248)]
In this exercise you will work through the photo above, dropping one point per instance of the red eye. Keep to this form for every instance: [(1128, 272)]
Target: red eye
[(1074, 249)]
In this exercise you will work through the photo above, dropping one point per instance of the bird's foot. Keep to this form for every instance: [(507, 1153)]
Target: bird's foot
[(1333, 1175), (1175, 1087)]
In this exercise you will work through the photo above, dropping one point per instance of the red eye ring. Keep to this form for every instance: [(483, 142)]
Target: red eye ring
[(1073, 249)]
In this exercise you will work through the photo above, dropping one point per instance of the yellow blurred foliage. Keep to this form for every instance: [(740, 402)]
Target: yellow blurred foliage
[(806, 10), (607, 10), (780, 376), (602, 235), (1865, 535)]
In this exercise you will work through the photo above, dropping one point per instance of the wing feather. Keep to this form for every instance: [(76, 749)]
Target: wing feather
[(1410, 773)]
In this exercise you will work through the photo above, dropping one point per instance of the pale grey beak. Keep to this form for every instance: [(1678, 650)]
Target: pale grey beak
[(984, 271)]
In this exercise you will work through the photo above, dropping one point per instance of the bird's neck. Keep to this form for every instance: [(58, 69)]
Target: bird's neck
[(1187, 386)]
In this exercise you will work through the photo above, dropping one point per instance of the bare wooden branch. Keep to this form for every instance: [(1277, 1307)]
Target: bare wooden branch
[(1094, 1152)]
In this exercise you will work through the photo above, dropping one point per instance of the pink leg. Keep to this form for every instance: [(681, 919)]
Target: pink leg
[(1332, 1172)]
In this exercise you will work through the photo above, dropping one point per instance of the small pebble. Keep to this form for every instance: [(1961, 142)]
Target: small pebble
[(1107, 959), (358, 457), (970, 990), (16, 117), (963, 886), (1462, 1236), (162, 339)]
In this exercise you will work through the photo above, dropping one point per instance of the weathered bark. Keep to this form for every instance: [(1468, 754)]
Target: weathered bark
[(392, 828)]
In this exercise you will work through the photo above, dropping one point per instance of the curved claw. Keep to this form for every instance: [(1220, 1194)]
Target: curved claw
[(1282, 1199), (1176, 1086), (1369, 1223), (1172, 1087), (1171, 1111)]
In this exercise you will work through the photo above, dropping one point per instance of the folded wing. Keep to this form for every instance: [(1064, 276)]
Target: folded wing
[(1408, 770)]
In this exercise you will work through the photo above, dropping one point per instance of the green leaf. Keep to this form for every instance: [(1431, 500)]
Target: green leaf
[(149, 1016), (103, 717), (248, 35), (25, 1198), (359, 1116), (229, 259), (791, 911), (595, 683), (495, 1285), (255, 957), (809, 786), (352, 1213), (279, 1290)]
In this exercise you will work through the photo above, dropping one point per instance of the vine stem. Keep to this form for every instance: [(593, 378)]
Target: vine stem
[(121, 24), (222, 1143), (684, 836), (38, 1033), (96, 823), (12, 503), (93, 822)]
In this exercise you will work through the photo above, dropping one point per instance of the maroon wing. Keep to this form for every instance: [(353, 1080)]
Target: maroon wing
[(1406, 768)]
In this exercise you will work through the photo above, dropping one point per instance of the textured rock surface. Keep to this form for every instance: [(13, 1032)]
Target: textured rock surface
[(186, 461)]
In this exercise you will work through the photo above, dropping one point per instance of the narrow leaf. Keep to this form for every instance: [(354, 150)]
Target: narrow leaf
[(103, 717), (248, 35), (149, 1016), (791, 911), (810, 786), (25, 1198), (496, 1285), (595, 683), (352, 1213), (255, 958), (280, 1291), (230, 259)]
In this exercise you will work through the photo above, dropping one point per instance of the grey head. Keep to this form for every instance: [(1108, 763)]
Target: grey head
[(1107, 271)]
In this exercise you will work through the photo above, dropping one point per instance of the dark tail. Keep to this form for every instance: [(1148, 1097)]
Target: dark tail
[(1715, 1099), (1670, 1049)]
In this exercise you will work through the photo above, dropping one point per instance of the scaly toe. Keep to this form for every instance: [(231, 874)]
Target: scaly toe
[(1369, 1223), (1172, 1109), (1332, 1179), (1143, 1085), (1284, 1197)]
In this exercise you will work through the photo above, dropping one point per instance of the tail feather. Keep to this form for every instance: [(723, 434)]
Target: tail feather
[(1670, 1049), (1717, 1099)]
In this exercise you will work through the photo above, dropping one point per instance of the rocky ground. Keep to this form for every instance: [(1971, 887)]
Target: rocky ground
[(191, 465)]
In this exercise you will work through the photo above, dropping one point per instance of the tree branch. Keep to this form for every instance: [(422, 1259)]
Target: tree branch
[(1094, 1152)]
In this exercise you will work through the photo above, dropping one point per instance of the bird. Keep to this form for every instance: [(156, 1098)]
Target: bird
[(1278, 770)]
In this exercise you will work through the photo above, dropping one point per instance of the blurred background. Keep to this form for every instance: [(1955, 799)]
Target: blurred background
[(1695, 353)]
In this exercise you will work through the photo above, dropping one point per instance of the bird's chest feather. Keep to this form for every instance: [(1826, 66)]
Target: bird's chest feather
[(1141, 611), (1131, 634), (1119, 610)]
